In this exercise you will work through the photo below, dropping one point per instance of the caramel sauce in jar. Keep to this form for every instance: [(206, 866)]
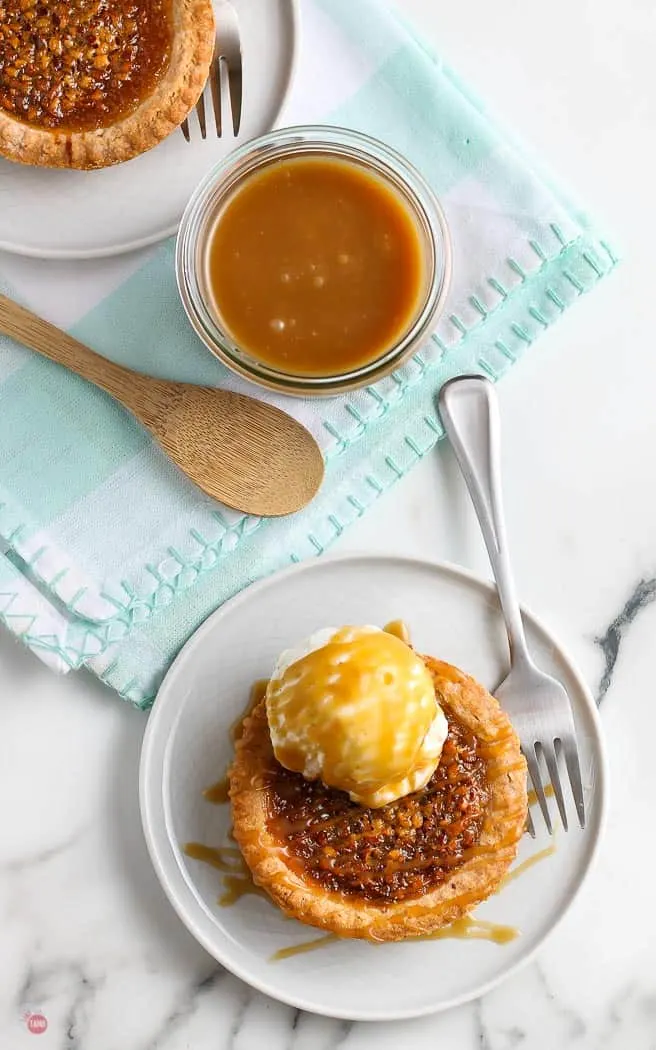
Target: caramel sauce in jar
[(315, 266), (314, 260)]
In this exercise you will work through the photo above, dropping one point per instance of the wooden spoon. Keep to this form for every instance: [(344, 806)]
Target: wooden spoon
[(243, 452)]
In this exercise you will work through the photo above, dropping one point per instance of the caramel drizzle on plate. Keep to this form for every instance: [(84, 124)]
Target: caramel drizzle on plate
[(532, 796), (237, 879), (465, 929), (223, 858), (303, 947), (535, 858), (219, 792), (237, 886), (470, 929), (237, 883)]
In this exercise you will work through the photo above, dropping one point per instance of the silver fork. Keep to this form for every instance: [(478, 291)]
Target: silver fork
[(227, 52), (536, 703)]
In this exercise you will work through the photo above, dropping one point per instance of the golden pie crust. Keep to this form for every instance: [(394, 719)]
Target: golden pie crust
[(351, 914), (170, 98)]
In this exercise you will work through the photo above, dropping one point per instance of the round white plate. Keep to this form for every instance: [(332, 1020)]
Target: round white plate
[(85, 214), (451, 614)]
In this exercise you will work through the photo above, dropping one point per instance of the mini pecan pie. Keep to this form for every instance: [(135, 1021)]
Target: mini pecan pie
[(402, 870), (88, 83)]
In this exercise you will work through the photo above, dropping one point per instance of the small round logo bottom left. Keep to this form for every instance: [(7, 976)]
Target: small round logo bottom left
[(36, 1023)]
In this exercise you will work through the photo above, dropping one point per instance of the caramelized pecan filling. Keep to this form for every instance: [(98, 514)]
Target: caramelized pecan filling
[(398, 852), (80, 64)]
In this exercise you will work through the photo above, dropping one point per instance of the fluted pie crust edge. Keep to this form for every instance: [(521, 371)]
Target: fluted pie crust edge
[(350, 916), (174, 95)]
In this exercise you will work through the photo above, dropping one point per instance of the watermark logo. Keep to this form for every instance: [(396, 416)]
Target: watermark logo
[(35, 1022)]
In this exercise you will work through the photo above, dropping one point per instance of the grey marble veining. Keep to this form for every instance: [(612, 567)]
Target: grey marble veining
[(610, 641)]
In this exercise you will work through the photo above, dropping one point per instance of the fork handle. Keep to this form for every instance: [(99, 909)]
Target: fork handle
[(470, 414)]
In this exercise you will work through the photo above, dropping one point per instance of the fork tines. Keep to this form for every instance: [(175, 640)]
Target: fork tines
[(226, 68)]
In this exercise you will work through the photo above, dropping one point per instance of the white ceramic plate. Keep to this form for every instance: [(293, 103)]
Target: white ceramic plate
[(451, 614), (85, 214)]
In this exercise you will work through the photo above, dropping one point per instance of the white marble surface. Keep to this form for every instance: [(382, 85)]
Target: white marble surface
[(87, 937)]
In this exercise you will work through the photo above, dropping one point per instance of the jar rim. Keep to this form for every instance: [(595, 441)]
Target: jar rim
[(303, 140)]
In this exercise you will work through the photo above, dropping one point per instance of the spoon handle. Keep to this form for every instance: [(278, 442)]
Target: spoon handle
[(32, 331), (470, 414)]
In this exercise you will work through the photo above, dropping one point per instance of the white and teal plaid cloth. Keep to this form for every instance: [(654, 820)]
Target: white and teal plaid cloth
[(112, 558)]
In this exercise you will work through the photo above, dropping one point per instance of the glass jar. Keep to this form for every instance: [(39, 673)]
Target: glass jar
[(333, 143)]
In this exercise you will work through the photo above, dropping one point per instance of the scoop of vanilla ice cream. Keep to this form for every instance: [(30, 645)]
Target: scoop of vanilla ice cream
[(355, 707)]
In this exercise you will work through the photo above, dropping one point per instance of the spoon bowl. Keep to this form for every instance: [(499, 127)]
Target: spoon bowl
[(237, 449)]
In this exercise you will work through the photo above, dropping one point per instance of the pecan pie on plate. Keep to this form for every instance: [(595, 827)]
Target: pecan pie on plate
[(402, 797), (89, 83)]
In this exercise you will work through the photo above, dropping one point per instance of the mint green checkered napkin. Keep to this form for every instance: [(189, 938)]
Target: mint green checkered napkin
[(111, 558)]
